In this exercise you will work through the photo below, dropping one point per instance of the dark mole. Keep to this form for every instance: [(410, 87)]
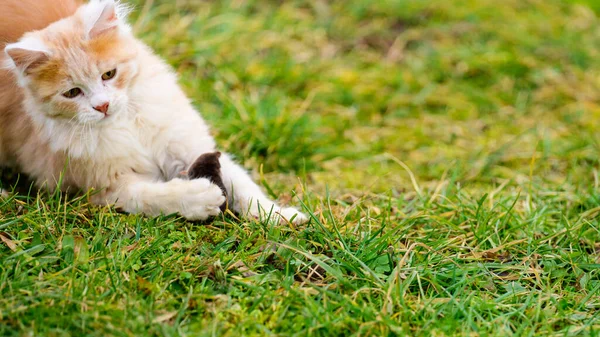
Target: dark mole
[(208, 166)]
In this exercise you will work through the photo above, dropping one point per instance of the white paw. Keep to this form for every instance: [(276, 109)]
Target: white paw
[(291, 214), (4, 193), (279, 215), (201, 200)]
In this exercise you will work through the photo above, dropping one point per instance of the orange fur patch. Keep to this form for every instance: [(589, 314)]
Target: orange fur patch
[(52, 71), (104, 45), (122, 78), (65, 108), (20, 16), (109, 46)]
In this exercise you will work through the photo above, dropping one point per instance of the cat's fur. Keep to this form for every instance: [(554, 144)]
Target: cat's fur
[(131, 154)]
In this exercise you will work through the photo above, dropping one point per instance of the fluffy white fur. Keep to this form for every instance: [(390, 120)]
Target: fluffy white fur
[(133, 156)]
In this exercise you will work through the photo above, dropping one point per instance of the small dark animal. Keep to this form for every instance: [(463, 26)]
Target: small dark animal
[(208, 166)]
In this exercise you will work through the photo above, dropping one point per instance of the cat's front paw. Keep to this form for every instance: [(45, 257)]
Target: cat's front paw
[(201, 200)]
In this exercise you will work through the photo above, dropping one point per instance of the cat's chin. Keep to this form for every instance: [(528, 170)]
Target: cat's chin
[(103, 120)]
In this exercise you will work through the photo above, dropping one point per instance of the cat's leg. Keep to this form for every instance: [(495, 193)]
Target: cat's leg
[(196, 199), (247, 198)]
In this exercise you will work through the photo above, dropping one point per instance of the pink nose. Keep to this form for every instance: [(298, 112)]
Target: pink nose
[(102, 108)]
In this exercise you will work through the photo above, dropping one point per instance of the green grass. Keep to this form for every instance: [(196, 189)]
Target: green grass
[(447, 152)]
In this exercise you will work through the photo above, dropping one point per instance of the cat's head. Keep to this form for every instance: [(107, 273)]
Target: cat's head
[(79, 69)]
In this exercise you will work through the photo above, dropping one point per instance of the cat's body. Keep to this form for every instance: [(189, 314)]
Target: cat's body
[(97, 106)]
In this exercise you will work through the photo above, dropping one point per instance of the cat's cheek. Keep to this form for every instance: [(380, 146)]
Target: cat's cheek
[(66, 108), (122, 80), (121, 100), (58, 109)]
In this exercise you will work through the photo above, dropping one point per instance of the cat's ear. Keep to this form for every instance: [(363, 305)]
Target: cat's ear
[(27, 54), (102, 17)]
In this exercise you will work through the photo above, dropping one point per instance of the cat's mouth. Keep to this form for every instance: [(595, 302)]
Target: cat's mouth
[(96, 119)]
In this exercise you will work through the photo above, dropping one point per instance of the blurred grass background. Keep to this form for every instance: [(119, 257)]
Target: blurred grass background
[(447, 152), (322, 85)]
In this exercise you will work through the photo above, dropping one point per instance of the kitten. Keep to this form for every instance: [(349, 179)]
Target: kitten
[(82, 97)]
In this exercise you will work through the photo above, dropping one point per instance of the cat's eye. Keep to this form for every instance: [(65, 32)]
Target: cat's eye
[(109, 74), (72, 93)]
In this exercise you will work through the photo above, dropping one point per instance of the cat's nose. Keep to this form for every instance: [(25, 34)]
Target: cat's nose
[(102, 108)]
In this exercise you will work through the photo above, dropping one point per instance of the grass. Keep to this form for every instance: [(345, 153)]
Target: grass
[(447, 152)]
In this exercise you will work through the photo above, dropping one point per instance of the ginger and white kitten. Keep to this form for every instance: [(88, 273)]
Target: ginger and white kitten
[(83, 97)]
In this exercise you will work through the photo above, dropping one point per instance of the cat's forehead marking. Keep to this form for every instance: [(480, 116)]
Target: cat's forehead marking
[(104, 46), (74, 59), (67, 64)]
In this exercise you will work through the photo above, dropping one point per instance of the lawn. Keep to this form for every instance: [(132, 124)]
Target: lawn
[(446, 151)]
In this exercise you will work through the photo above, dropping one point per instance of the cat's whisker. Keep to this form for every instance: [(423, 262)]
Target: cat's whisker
[(74, 128), (87, 136)]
